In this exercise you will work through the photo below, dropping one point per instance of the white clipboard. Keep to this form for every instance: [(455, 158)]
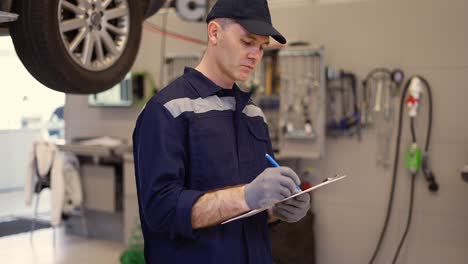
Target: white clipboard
[(256, 211)]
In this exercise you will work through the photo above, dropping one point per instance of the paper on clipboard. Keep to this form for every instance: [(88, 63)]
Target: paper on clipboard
[(256, 211)]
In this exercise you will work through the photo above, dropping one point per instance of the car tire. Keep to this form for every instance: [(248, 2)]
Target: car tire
[(42, 37)]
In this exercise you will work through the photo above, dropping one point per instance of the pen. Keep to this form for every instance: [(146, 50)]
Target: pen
[(275, 164)]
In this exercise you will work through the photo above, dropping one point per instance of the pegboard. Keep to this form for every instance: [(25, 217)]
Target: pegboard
[(289, 86), (302, 103)]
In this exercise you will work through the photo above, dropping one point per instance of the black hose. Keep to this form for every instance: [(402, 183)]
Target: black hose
[(378, 70), (429, 125), (413, 133), (408, 221), (395, 167), (432, 184), (430, 178)]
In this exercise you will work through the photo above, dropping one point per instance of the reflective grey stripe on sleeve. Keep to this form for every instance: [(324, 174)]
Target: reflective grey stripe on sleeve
[(253, 111), (200, 105)]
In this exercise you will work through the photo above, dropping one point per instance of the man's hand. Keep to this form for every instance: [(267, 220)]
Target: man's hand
[(270, 187), (293, 209)]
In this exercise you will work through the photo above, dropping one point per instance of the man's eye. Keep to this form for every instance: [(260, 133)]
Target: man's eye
[(245, 42)]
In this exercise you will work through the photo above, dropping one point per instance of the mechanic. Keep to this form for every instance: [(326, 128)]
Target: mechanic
[(199, 149)]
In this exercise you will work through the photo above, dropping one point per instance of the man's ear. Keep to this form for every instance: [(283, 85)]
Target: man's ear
[(214, 29)]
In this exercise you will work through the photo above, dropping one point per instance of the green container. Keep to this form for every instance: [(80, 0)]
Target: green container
[(413, 159)]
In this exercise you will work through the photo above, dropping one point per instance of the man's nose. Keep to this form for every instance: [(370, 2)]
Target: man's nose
[(255, 53)]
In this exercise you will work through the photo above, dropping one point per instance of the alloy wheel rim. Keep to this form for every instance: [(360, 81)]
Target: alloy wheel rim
[(94, 32)]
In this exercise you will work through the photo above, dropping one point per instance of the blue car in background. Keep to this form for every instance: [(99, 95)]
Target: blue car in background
[(56, 124)]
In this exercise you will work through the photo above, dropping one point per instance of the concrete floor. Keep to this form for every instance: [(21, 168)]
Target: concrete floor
[(18, 249), (12, 204)]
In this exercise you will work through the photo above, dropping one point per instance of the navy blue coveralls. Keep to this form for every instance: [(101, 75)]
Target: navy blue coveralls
[(191, 138)]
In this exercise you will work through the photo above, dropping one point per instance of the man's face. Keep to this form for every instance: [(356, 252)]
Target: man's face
[(238, 51)]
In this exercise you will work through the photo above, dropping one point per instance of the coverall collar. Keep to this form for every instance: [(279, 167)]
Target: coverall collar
[(206, 87)]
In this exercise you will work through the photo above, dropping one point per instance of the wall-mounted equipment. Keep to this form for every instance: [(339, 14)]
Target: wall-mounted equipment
[(143, 87), (380, 87), (302, 102), (416, 158), (192, 10), (380, 91), (135, 89), (289, 86), (118, 96), (464, 173), (343, 117)]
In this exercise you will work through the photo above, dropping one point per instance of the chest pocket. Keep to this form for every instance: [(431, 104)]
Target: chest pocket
[(213, 162), (259, 143)]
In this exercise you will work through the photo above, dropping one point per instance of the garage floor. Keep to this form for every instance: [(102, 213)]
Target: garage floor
[(69, 249), (12, 204)]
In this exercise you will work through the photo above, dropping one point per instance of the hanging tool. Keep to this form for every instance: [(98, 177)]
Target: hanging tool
[(379, 89), (398, 76), (342, 91), (414, 159), (388, 108), (412, 103), (366, 116), (298, 78), (378, 96), (377, 80), (464, 173)]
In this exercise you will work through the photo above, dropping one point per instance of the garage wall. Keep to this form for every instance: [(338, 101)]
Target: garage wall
[(421, 37), (424, 37)]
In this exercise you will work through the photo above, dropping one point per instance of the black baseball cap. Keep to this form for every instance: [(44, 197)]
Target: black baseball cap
[(253, 15)]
